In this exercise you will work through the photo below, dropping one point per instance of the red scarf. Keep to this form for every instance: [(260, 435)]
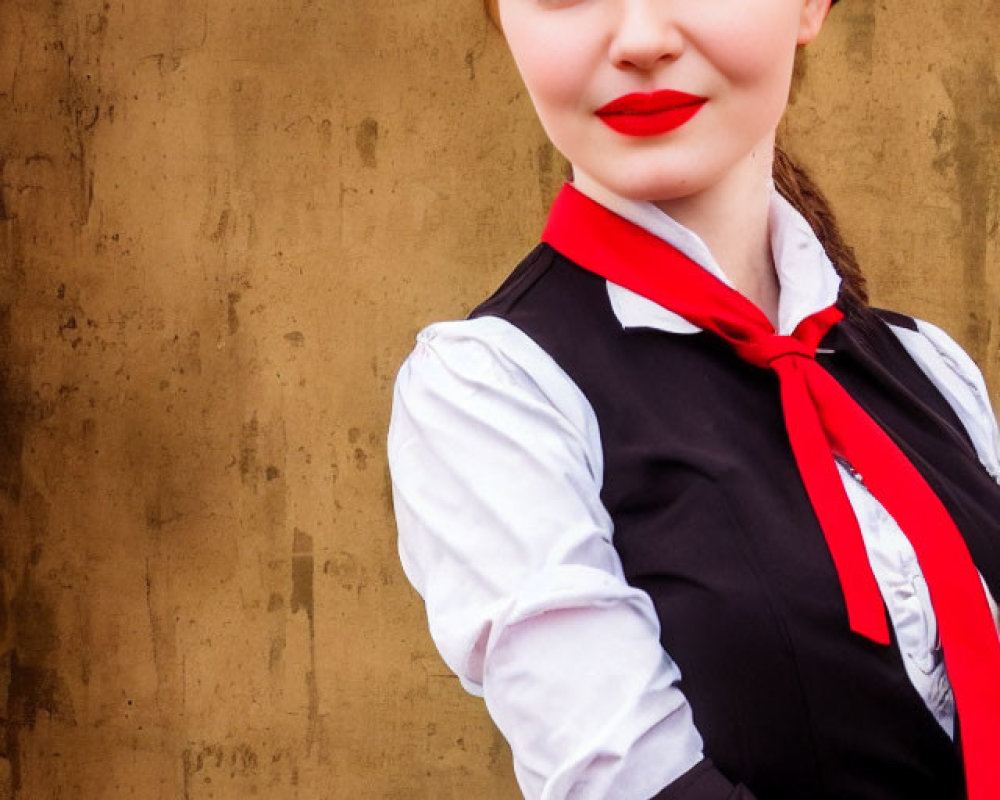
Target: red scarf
[(822, 420)]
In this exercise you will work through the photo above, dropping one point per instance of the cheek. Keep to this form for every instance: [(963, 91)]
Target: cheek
[(755, 57), (554, 71), (755, 51)]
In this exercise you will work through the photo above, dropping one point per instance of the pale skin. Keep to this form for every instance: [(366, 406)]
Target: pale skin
[(712, 174)]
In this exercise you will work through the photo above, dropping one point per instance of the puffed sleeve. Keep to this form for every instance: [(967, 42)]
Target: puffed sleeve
[(497, 467), (960, 381)]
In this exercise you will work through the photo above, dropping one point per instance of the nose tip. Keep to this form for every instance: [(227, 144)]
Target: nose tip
[(645, 36)]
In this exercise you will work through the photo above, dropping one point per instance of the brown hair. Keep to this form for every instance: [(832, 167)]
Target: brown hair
[(796, 186)]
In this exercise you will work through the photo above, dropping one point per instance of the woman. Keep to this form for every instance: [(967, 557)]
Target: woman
[(683, 508)]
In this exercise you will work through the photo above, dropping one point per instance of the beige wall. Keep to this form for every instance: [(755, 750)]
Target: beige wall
[(221, 225)]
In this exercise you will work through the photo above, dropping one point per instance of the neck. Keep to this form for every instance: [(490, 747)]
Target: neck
[(731, 217)]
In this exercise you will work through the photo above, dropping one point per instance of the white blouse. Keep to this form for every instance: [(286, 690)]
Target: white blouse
[(497, 467)]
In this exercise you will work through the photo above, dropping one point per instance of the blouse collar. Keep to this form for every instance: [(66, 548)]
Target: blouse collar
[(809, 282)]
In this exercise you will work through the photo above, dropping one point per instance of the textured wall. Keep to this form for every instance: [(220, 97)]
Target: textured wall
[(900, 116), (220, 226)]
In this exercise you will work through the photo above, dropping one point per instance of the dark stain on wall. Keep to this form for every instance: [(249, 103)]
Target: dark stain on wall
[(29, 637), (302, 575), (14, 409), (4, 599), (860, 16), (30, 683), (81, 99), (33, 615), (367, 140), (3, 206), (248, 451), (17, 399), (208, 763), (972, 138), (29, 690), (303, 569), (232, 315), (222, 227), (276, 606)]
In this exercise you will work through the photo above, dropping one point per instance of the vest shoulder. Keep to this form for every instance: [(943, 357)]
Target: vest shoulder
[(544, 283), (876, 330), (516, 285), (895, 318)]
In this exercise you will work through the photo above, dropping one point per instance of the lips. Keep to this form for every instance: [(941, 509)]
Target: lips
[(650, 114)]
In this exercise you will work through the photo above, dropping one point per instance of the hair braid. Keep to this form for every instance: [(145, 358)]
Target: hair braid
[(795, 185)]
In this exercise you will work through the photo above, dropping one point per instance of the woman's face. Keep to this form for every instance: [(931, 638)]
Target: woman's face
[(721, 71)]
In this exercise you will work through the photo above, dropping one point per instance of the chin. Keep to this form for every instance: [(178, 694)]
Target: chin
[(659, 183), (670, 174)]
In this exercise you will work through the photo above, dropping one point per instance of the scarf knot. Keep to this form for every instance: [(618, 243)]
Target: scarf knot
[(765, 350)]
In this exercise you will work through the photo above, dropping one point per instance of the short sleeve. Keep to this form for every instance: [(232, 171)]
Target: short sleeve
[(497, 467)]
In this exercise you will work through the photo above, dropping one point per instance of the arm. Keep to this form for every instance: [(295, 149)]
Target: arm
[(961, 383), (497, 468)]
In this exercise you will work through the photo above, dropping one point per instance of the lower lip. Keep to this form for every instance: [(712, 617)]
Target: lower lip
[(651, 124)]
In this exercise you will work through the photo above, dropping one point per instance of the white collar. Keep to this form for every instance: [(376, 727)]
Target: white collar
[(806, 275)]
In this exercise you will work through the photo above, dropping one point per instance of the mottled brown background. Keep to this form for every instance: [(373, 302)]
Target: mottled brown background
[(221, 225)]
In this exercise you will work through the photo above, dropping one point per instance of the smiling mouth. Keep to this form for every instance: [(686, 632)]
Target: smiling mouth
[(650, 114)]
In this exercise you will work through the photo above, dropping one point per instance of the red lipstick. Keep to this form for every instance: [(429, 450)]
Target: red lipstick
[(641, 114)]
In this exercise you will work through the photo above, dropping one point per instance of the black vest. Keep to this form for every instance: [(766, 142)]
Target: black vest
[(713, 522)]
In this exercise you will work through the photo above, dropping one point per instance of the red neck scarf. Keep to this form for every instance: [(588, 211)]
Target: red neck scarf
[(822, 420)]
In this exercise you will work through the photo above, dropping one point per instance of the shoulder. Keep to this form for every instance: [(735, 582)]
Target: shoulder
[(956, 375), (549, 297), (486, 371)]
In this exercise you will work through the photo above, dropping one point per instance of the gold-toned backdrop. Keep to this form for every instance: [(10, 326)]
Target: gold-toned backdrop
[(220, 226)]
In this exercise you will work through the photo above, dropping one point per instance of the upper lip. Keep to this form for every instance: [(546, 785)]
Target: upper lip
[(650, 102)]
